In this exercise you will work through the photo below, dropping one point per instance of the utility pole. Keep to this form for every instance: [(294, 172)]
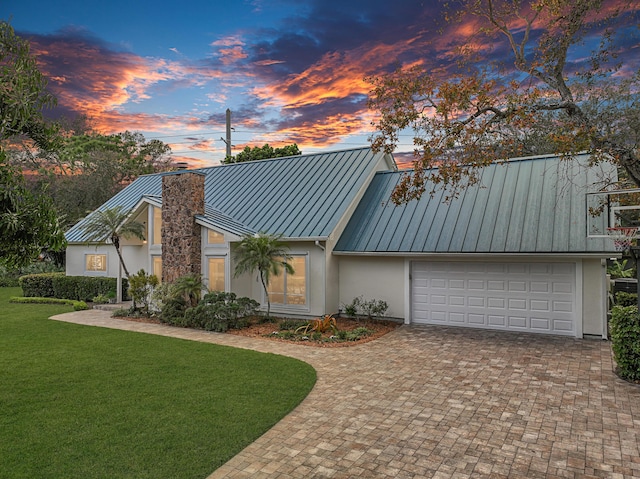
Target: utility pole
[(228, 140)]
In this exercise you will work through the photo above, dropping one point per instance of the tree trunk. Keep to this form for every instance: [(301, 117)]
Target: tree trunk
[(266, 292)]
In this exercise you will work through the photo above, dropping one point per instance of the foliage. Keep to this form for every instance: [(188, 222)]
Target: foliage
[(141, 286), (9, 276), (263, 153), (28, 222), (190, 288), (90, 168), (77, 305), (622, 298), (265, 253), (57, 285), (479, 112), (40, 285), (113, 224), (100, 299), (94, 402), (291, 324), (618, 269), (319, 325), (23, 93), (625, 341), (217, 311), (372, 308)]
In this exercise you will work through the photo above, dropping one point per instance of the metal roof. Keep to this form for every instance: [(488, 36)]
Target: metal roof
[(527, 205), (299, 196)]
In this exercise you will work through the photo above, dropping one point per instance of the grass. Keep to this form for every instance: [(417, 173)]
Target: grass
[(84, 402)]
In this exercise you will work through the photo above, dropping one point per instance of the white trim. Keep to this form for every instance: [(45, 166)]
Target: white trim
[(407, 291), (579, 319)]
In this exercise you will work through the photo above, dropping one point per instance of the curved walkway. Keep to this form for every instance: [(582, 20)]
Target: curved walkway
[(441, 402)]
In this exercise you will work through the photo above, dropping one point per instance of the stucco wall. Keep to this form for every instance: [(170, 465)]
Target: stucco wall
[(135, 258), (373, 278), (593, 298), (247, 285)]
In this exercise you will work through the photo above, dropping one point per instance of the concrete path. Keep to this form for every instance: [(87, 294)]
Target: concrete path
[(442, 402)]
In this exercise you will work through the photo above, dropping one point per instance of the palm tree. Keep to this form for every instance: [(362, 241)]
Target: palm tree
[(112, 224), (265, 253)]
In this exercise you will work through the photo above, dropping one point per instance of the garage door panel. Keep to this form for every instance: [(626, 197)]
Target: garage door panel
[(536, 297)]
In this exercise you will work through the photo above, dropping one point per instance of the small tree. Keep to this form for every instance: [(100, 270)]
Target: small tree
[(263, 153), (112, 224), (265, 253)]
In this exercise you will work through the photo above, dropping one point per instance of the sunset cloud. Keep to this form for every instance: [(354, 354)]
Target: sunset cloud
[(300, 77)]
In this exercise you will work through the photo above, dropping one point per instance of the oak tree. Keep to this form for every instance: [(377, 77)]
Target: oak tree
[(541, 101)]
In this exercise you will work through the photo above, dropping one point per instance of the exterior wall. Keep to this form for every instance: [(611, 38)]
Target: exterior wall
[(248, 284), (594, 297), (374, 277), (386, 278), (135, 257), (182, 199), (333, 291)]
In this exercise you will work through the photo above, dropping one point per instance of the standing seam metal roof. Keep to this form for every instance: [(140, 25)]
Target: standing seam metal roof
[(528, 205), (299, 196)]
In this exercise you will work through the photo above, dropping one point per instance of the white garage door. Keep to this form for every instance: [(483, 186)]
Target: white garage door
[(532, 297)]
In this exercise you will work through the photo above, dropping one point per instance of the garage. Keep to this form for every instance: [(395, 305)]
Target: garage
[(511, 296)]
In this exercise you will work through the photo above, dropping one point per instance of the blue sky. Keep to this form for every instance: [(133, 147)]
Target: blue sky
[(290, 71)]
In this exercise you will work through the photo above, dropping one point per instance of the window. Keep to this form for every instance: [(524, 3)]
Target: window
[(157, 226), (96, 262), (157, 267), (216, 274), (290, 289), (213, 237)]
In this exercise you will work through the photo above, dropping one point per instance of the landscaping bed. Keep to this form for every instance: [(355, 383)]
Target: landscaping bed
[(273, 330)]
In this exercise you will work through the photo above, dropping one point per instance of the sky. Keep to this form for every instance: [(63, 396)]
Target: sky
[(290, 71)]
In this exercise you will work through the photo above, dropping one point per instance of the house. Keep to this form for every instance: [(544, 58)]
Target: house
[(508, 253)]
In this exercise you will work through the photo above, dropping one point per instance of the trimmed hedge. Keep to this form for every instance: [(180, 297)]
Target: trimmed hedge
[(39, 285), (78, 288), (625, 341), (77, 305)]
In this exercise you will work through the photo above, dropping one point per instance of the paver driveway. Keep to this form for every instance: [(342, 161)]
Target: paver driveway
[(443, 402)]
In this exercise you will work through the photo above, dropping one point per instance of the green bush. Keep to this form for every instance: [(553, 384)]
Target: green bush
[(220, 311), (141, 288), (291, 324), (373, 308), (9, 283), (39, 285), (173, 310), (626, 299), (625, 341), (79, 288), (77, 305)]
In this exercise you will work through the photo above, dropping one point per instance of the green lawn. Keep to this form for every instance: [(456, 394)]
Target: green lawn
[(84, 402)]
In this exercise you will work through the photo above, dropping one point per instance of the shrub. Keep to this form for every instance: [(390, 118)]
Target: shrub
[(141, 287), (625, 341), (618, 269), (291, 324), (173, 310), (39, 285), (626, 299), (79, 288), (220, 311), (373, 308), (77, 305)]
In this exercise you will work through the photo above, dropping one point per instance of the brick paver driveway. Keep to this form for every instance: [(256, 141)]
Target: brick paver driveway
[(442, 402)]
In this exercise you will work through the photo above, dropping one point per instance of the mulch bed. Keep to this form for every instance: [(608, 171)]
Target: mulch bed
[(264, 330), (258, 329)]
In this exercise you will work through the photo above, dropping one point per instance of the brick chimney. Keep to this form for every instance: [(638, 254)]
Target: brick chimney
[(182, 199)]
